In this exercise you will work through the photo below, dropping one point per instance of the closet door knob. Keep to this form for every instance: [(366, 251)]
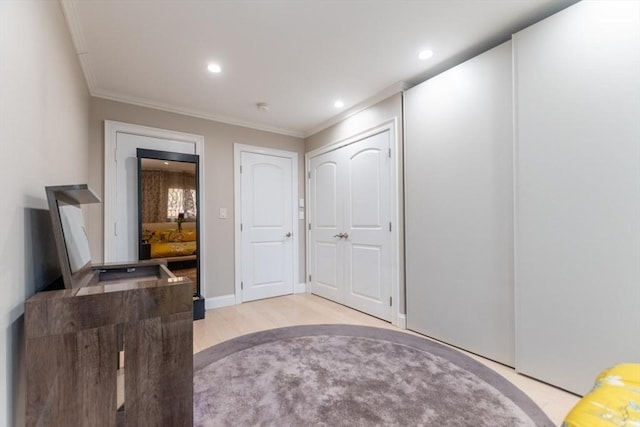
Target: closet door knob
[(345, 235), (288, 234)]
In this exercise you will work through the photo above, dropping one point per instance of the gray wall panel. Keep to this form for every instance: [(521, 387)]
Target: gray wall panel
[(578, 193), (459, 206)]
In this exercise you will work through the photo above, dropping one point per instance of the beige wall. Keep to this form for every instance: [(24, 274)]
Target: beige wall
[(219, 139), (371, 117), (44, 106)]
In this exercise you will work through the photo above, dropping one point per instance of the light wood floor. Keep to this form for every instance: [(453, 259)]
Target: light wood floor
[(304, 309)]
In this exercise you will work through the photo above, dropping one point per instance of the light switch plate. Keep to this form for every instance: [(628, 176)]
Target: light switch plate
[(301, 214), (223, 213), (301, 203)]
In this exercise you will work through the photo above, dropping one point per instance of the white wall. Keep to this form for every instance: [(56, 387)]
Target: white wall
[(218, 156), (459, 206), (44, 108), (578, 193)]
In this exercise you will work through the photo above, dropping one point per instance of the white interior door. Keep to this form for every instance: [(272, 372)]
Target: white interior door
[(350, 237), (123, 233), (367, 267), (326, 251), (267, 226)]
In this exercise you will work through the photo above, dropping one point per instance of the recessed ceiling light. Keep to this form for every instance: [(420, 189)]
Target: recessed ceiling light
[(425, 54), (166, 163), (214, 68), (338, 104)]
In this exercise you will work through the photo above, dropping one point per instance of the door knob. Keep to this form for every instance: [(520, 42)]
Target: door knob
[(345, 235), (341, 235), (288, 234)]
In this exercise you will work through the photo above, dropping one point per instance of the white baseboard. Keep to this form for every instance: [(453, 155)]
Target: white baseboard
[(221, 301), (300, 288), (402, 321)]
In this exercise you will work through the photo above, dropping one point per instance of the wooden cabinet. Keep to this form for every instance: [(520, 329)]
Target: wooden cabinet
[(115, 347), (73, 343)]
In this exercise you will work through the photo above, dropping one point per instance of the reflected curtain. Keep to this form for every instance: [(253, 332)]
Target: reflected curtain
[(154, 196)]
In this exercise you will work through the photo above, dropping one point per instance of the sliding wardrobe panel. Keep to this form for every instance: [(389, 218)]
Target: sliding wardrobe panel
[(577, 78), (459, 206)]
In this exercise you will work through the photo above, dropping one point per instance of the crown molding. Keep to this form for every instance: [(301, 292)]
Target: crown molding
[(71, 16), (141, 102), (361, 106)]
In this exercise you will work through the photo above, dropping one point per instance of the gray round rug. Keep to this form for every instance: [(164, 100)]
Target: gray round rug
[(344, 375)]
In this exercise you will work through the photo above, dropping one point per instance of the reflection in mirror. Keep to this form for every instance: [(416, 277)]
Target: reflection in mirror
[(75, 236), (168, 214)]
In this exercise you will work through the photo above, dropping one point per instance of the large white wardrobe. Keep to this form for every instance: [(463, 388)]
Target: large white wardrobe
[(522, 198)]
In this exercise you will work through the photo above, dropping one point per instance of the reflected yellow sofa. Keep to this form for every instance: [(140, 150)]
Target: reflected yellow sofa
[(167, 242)]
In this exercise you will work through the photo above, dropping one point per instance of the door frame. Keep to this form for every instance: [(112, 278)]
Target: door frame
[(111, 130), (394, 206), (238, 149)]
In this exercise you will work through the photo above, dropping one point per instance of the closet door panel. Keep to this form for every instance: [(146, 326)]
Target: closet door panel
[(325, 250), (364, 189), (459, 206), (367, 215), (350, 238), (366, 272), (577, 78)]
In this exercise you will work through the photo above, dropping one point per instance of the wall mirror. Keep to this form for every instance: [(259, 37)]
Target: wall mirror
[(75, 236), (168, 208)]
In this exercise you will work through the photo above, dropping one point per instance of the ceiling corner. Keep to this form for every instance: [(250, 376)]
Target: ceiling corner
[(389, 91), (71, 16)]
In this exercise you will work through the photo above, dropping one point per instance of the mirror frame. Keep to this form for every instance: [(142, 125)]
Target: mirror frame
[(76, 195), (142, 153)]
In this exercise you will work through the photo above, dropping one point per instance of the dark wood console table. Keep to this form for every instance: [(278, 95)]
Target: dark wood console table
[(77, 337), (73, 343)]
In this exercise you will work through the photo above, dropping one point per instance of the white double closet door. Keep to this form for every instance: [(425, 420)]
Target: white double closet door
[(350, 237)]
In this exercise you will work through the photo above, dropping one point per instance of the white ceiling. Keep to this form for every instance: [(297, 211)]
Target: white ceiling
[(299, 56)]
